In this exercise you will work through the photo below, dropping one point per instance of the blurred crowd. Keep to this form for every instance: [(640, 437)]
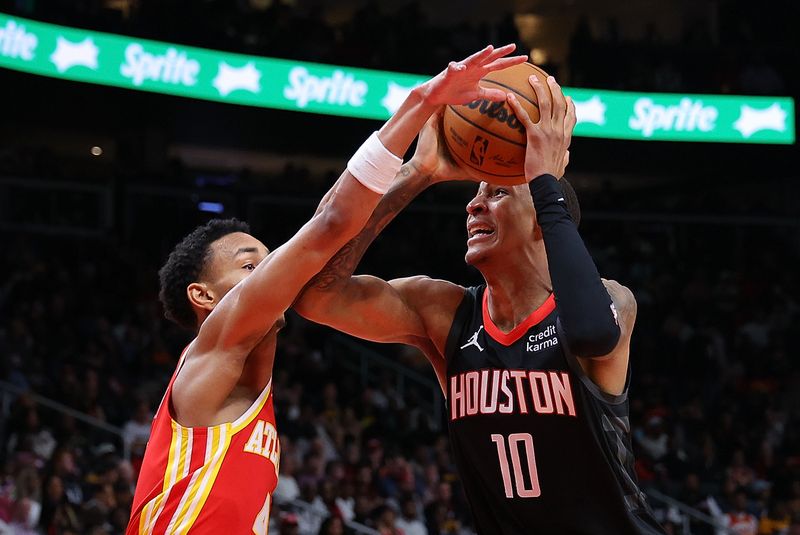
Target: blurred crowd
[(714, 399), (734, 49)]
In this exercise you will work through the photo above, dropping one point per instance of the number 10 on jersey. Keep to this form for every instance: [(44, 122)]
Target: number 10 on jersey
[(512, 445)]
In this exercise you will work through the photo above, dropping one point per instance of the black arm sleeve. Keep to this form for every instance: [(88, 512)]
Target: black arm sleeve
[(588, 318)]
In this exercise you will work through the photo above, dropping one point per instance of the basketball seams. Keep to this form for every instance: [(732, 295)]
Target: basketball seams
[(482, 129), (513, 90)]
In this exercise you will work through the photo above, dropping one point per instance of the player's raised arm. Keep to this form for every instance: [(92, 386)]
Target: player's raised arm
[(237, 322), (589, 319)]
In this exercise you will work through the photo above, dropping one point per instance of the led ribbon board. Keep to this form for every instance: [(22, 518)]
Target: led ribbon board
[(139, 64)]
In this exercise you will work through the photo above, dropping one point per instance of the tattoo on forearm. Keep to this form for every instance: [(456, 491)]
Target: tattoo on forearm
[(342, 265)]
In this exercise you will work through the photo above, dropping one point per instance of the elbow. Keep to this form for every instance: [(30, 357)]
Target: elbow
[(595, 340), (336, 223)]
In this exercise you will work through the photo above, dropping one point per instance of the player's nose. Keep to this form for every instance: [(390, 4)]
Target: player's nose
[(476, 205)]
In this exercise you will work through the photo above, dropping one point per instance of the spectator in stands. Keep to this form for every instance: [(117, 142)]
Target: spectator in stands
[(136, 433), (32, 437), (25, 517), (408, 522), (385, 521), (775, 520), (289, 525), (287, 489), (332, 525), (739, 519)]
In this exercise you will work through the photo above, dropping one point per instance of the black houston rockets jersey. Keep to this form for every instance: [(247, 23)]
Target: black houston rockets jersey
[(540, 449)]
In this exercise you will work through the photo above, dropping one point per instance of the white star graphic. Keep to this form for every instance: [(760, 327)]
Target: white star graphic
[(590, 111), (230, 78), (68, 54), (395, 96), (752, 120)]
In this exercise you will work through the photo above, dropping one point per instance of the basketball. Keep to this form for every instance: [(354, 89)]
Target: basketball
[(485, 137)]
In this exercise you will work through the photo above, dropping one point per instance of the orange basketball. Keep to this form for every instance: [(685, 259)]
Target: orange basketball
[(485, 137)]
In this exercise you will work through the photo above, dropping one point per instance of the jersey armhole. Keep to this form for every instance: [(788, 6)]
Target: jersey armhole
[(460, 320), (591, 386)]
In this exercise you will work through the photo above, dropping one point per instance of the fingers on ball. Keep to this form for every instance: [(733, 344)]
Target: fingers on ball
[(542, 97)]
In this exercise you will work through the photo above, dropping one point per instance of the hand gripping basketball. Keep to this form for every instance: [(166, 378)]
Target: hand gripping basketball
[(549, 138), (432, 158)]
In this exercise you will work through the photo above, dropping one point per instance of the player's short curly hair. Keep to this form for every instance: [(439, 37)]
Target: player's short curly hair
[(571, 200), (185, 264)]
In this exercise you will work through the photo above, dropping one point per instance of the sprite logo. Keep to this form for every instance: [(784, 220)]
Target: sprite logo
[(115, 60), (339, 89), (171, 68), (688, 116), (15, 42)]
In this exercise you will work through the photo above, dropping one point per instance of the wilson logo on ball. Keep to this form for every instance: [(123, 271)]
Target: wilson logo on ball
[(498, 112), (478, 151)]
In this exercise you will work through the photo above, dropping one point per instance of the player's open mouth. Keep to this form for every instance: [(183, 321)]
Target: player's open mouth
[(479, 231)]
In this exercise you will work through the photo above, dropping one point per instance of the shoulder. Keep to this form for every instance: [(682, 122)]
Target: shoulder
[(421, 287), (622, 296), (435, 301), (624, 304)]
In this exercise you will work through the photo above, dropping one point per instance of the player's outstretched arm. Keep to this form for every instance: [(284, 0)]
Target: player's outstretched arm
[(241, 319), (369, 307), (414, 310), (254, 305)]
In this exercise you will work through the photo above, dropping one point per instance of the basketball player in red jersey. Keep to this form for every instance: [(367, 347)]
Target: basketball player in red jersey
[(212, 460), (534, 363)]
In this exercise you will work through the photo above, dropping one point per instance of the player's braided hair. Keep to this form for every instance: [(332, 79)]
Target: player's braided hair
[(571, 200), (185, 264)]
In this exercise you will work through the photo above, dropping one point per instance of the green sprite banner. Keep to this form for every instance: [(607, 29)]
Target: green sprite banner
[(140, 64)]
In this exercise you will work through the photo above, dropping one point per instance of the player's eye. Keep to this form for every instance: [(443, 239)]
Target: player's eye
[(500, 191), (249, 267)]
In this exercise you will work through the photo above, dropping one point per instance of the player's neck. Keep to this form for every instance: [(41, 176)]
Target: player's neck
[(515, 292)]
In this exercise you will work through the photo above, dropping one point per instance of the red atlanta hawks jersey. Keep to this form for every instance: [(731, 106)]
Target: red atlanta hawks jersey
[(208, 480)]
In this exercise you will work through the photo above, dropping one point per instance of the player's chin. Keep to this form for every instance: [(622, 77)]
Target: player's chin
[(476, 254)]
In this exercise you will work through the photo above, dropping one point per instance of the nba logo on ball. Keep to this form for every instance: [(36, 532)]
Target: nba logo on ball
[(478, 150)]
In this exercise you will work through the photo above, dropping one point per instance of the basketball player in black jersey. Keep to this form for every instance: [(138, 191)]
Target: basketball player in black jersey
[(534, 363)]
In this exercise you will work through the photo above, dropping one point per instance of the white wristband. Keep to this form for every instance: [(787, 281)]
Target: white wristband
[(374, 166)]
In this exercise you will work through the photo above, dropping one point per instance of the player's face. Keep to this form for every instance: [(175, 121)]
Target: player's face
[(500, 220), (233, 258)]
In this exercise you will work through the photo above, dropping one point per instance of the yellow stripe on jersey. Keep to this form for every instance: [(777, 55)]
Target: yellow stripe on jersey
[(144, 517), (202, 481), (180, 511), (185, 453), (178, 461), (156, 504), (170, 472), (204, 489)]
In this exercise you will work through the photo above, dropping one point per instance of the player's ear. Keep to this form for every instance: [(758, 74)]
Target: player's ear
[(201, 296)]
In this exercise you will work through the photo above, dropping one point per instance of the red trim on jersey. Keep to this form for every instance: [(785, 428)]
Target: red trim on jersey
[(517, 332)]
